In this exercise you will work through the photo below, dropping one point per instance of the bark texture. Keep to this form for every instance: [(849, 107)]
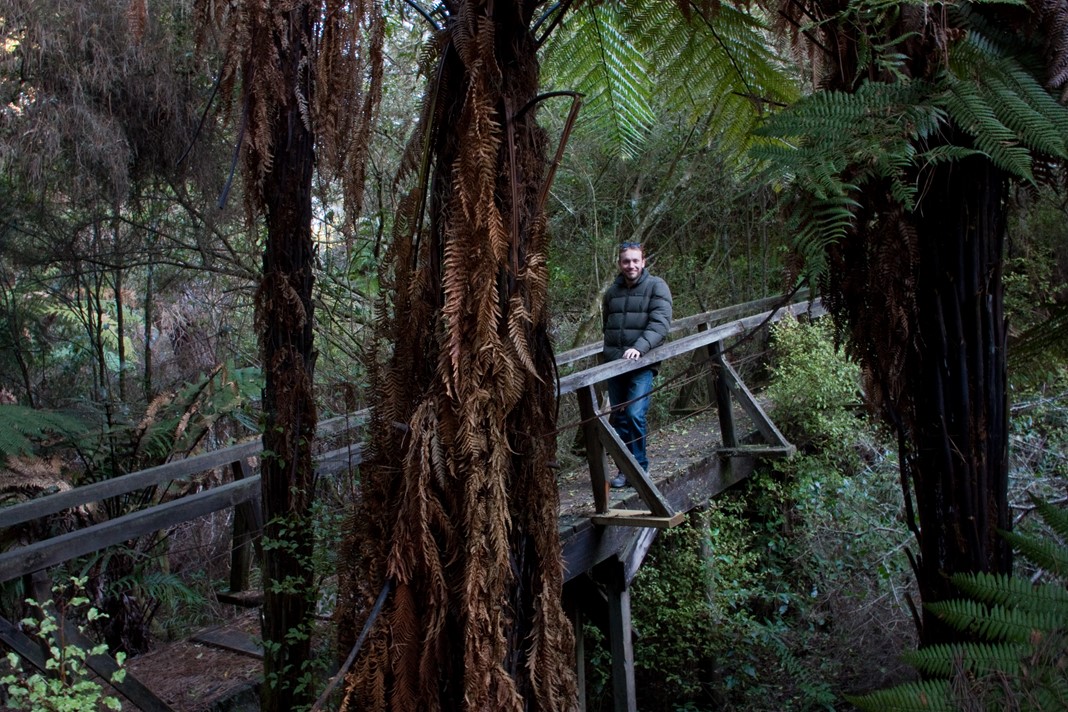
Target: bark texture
[(459, 507)]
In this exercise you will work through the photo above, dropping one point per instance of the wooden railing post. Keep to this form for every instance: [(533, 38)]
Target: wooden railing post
[(248, 522), (587, 398), (721, 387), (611, 574)]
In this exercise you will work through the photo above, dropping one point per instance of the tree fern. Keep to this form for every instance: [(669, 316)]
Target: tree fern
[(592, 54), (22, 428), (716, 69), (1018, 658)]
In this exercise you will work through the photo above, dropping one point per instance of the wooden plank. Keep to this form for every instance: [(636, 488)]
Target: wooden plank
[(247, 526), (619, 635), (634, 554), (721, 387), (231, 639), (71, 545), (749, 404), (637, 518), (630, 468), (758, 451), (585, 547), (37, 508), (595, 456), (341, 423), (105, 666), (707, 318), (335, 461), (27, 649), (179, 469), (673, 349)]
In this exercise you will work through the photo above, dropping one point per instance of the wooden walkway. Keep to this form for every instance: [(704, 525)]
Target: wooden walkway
[(605, 534)]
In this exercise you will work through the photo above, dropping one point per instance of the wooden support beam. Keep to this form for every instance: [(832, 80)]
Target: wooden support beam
[(248, 526), (610, 573), (749, 404), (634, 553), (721, 387), (635, 474), (637, 518), (591, 420), (71, 545)]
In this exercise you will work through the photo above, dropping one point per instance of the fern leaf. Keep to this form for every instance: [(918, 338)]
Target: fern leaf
[(923, 696), (22, 427), (978, 658), (592, 54), (1047, 554), (1020, 593), (995, 622)]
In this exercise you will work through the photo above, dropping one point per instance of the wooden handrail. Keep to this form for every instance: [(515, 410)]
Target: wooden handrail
[(686, 344), (710, 318)]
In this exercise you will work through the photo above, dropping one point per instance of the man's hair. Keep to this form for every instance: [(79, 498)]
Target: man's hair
[(631, 246)]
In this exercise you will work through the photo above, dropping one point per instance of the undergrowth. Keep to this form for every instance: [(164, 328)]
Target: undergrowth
[(788, 590)]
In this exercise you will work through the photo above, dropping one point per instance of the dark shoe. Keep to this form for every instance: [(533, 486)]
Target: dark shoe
[(619, 481)]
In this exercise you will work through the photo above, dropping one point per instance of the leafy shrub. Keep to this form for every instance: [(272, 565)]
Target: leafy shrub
[(815, 389), (69, 686)]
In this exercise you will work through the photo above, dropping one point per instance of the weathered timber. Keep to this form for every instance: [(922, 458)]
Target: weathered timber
[(678, 347), (696, 321), (638, 518), (71, 545), (585, 544), (749, 404), (630, 468), (42, 507)]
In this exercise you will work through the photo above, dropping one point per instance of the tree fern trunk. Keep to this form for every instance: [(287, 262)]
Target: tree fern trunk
[(459, 503), (284, 312), (956, 456)]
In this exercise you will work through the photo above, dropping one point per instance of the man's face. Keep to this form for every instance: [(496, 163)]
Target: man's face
[(631, 264)]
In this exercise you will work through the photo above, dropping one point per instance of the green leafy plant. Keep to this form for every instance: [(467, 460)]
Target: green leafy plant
[(68, 686), (815, 389), (22, 428), (1018, 657)]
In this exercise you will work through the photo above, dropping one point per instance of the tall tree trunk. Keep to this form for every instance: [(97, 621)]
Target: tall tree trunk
[(459, 502), (955, 454), (285, 316)]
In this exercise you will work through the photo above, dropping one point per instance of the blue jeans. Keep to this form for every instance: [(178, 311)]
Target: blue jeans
[(629, 421)]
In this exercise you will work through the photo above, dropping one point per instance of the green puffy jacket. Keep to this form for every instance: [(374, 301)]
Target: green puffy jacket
[(635, 317)]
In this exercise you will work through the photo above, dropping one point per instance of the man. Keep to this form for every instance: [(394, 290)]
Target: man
[(636, 313)]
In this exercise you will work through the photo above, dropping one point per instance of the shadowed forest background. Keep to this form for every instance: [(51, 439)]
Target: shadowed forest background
[(132, 259)]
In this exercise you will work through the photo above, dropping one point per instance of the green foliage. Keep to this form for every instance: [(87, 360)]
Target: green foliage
[(815, 389), (713, 68), (68, 686), (844, 152), (21, 428), (1018, 658)]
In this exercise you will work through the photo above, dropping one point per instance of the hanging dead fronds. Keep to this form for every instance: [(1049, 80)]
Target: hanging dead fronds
[(459, 504)]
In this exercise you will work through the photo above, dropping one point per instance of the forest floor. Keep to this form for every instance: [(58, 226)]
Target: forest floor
[(219, 669)]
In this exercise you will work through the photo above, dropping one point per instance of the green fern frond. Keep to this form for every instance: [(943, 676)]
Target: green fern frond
[(995, 622), (923, 696), (1055, 517), (965, 103), (21, 428), (719, 70), (977, 658), (1047, 554), (1004, 590), (592, 54)]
